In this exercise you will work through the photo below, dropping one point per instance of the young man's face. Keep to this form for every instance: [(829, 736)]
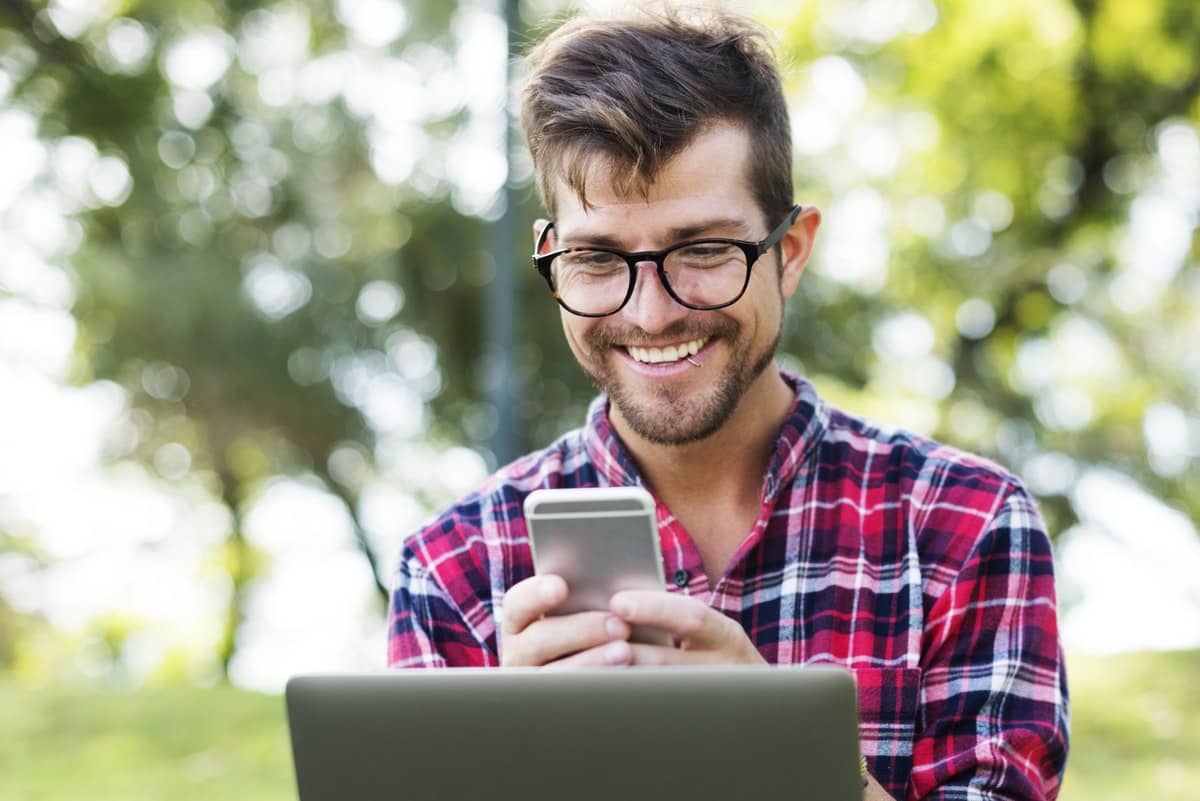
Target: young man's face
[(702, 192)]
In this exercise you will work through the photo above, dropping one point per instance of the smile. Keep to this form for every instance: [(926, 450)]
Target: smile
[(670, 353)]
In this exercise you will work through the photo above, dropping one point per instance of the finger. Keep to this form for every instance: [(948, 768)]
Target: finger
[(553, 638), (685, 617), (660, 656), (528, 600), (611, 654)]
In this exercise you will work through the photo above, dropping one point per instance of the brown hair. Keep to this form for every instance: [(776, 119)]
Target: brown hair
[(636, 91)]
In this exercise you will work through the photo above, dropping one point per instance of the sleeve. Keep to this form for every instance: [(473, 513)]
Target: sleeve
[(994, 694), (426, 628)]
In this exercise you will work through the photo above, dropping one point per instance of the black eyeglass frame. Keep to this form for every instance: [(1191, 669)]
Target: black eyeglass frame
[(752, 250)]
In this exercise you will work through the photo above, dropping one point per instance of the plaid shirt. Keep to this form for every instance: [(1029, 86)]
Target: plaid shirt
[(925, 571)]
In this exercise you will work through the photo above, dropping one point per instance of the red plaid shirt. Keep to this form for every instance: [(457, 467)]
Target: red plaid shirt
[(924, 570)]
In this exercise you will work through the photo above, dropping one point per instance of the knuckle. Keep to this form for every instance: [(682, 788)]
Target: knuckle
[(581, 659), (510, 653), (513, 613), (648, 656), (553, 638), (693, 620), (534, 645), (599, 627), (505, 613), (592, 657)]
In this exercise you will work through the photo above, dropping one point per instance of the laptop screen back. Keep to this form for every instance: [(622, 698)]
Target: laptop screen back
[(524, 735)]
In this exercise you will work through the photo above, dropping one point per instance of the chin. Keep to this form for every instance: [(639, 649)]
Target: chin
[(679, 414), (678, 420)]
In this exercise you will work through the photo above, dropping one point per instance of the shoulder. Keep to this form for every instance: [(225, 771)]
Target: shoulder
[(950, 499), (913, 458), (854, 453)]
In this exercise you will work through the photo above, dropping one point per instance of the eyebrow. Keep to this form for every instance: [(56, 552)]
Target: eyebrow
[(674, 235)]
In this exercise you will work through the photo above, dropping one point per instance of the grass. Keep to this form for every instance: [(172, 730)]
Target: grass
[(1133, 727), (1133, 736), (176, 744)]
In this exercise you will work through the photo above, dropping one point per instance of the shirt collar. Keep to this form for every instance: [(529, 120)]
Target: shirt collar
[(802, 429)]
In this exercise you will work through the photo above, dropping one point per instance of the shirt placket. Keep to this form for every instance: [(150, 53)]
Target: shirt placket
[(683, 569)]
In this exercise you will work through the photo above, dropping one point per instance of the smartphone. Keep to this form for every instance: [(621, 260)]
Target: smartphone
[(601, 540)]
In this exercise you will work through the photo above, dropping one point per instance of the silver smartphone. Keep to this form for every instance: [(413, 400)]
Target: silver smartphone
[(601, 540)]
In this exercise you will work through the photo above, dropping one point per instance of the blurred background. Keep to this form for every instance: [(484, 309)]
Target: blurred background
[(265, 305)]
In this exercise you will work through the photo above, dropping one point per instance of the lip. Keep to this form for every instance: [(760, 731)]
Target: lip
[(664, 370)]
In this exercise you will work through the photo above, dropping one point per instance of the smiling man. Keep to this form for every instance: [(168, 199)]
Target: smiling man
[(792, 532)]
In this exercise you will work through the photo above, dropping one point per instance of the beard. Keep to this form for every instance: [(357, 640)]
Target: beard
[(672, 415)]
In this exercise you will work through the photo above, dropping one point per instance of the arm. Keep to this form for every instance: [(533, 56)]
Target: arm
[(426, 628), (994, 723)]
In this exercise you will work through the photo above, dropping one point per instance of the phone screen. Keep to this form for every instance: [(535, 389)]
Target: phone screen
[(601, 541)]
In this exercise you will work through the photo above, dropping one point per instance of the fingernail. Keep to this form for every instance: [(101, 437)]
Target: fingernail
[(616, 628), (617, 653), (621, 606)]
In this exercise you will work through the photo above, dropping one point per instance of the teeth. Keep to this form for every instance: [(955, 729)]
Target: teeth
[(671, 353)]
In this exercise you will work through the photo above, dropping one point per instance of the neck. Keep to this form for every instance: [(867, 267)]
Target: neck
[(726, 467)]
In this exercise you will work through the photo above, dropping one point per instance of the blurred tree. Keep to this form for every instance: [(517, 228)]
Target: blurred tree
[(267, 224), (18, 627), (1022, 172), (283, 208), (12, 631)]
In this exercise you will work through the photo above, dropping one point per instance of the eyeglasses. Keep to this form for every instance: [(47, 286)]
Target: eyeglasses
[(702, 274)]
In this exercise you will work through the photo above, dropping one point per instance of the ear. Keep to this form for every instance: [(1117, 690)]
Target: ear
[(539, 226), (796, 246)]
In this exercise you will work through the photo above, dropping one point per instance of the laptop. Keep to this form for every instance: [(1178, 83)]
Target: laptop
[(584, 735)]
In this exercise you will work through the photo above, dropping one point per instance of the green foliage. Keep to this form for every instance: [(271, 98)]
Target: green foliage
[(1026, 134), (1046, 122)]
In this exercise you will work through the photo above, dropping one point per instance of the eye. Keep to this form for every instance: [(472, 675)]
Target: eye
[(590, 260), (705, 249), (706, 254)]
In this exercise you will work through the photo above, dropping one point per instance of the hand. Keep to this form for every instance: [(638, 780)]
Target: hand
[(874, 791), (706, 636), (585, 639)]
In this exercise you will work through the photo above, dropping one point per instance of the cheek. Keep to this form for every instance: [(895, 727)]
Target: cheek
[(766, 294), (575, 330)]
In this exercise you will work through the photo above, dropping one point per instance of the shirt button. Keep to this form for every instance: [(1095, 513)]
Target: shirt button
[(681, 578)]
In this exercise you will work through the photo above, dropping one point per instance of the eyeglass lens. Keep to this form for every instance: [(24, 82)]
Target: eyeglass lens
[(700, 274)]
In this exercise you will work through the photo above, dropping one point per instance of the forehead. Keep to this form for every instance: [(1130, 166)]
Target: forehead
[(707, 179)]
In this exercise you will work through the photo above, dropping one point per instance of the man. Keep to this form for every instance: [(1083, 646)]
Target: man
[(792, 532)]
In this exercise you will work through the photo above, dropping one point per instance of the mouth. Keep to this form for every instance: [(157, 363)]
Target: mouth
[(667, 354)]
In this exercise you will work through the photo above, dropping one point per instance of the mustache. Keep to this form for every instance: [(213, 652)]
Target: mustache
[(610, 336)]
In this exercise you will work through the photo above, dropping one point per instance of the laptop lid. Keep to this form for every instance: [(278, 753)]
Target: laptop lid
[(588, 735)]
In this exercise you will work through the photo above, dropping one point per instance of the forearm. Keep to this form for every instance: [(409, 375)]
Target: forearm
[(993, 685), (427, 628)]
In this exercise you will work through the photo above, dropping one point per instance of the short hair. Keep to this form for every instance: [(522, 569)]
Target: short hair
[(637, 90)]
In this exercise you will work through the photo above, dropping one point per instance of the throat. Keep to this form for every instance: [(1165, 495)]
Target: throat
[(718, 531)]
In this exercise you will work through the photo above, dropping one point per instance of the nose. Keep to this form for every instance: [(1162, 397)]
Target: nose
[(651, 307)]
